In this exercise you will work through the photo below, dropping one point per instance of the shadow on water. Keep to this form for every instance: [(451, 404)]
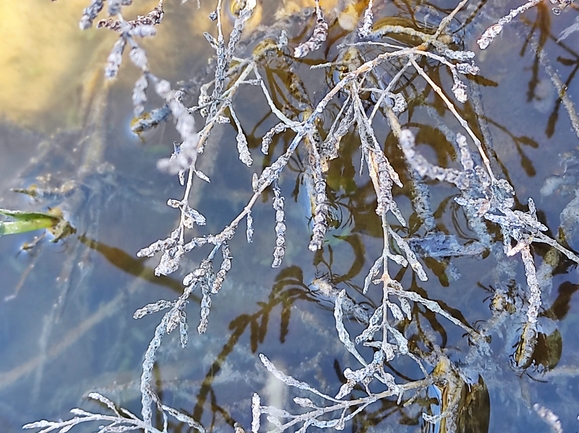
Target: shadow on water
[(66, 325)]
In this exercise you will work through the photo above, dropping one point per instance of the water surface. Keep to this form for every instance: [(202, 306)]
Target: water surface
[(66, 325)]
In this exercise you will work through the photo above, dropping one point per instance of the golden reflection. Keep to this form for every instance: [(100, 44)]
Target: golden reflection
[(41, 57), (45, 59), (347, 12), (45, 65)]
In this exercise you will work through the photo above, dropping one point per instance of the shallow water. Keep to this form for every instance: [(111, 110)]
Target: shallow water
[(67, 328)]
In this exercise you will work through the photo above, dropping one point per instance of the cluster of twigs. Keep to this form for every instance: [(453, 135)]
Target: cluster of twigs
[(364, 93)]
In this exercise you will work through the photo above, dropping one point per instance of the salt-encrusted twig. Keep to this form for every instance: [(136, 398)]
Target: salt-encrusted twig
[(493, 31), (318, 36)]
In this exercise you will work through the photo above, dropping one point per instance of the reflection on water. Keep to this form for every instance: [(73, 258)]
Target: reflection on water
[(66, 327)]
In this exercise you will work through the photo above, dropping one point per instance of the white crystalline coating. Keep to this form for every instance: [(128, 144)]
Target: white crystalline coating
[(255, 413), (139, 96), (90, 13), (115, 58), (205, 310), (143, 31), (549, 417), (467, 68), (202, 176), (157, 246), (346, 388), (152, 308), (489, 35), (461, 56), (280, 227), (400, 104), (410, 256), (396, 311), (102, 399), (317, 39), (372, 273), (138, 57), (465, 155), (304, 402), (459, 90), (533, 284), (242, 149), (249, 230), (114, 7), (401, 343), (194, 215), (343, 334), (174, 318), (423, 167), (366, 28), (183, 331), (184, 418), (493, 31), (163, 88), (189, 279)]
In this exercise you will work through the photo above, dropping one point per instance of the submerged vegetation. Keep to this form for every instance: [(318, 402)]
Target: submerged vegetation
[(378, 113)]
